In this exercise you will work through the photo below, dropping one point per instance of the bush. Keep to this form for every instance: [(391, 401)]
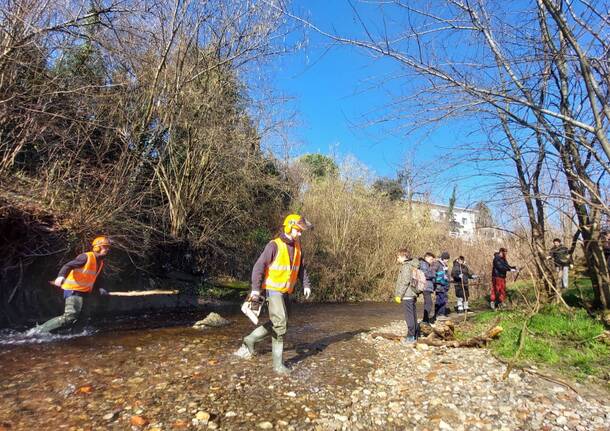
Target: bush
[(351, 253)]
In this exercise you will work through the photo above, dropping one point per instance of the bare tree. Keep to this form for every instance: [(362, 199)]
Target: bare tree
[(539, 66)]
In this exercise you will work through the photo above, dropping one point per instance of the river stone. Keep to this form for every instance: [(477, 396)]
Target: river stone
[(109, 416), (212, 320), (202, 416), (265, 425)]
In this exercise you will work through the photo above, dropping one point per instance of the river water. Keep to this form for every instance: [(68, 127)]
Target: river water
[(168, 374)]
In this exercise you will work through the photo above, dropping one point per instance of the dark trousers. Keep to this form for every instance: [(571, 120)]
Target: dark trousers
[(410, 316), (427, 306), (462, 291), (440, 304)]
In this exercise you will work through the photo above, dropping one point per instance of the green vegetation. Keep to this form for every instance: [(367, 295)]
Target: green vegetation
[(572, 343), (580, 295), (319, 166), (224, 288)]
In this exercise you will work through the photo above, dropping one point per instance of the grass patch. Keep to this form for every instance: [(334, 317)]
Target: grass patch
[(570, 342), (579, 295)]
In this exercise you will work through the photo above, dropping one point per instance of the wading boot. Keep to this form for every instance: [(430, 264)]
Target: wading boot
[(246, 351), (277, 350)]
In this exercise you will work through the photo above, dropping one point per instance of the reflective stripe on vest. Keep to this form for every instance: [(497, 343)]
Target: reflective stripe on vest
[(83, 279), (282, 274)]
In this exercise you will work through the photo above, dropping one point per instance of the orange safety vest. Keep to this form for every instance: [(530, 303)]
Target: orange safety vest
[(282, 274), (82, 279)]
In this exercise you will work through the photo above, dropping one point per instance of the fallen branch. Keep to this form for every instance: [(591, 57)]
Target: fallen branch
[(479, 341), (442, 335), (537, 373), (144, 293), (135, 292)]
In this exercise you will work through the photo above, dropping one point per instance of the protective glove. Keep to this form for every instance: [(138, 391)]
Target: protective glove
[(103, 292), (397, 299), (254, 294), (571, 266), (513, 270), (474, 276), (460, 275), (307, 292), (59, 281)]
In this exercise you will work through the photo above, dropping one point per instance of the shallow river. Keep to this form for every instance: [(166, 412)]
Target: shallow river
[(172, 376)]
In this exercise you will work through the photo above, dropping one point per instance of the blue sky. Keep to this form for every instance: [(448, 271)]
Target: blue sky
[(335, 87)]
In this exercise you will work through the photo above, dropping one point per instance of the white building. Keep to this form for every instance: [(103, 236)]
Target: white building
[(464, 225)]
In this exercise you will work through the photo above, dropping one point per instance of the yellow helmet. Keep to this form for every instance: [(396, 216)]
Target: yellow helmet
[(296, 221), (99, 242)]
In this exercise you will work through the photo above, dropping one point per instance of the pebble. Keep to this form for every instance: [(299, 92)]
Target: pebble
[(202, 416), (265, 425), (445, 426), (109, 416), (138, 421)]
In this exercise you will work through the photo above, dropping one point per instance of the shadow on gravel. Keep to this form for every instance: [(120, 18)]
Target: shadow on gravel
[(305, 350)]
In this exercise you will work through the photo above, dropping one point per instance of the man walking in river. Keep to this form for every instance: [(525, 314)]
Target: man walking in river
[(77, 278), (276, 271)]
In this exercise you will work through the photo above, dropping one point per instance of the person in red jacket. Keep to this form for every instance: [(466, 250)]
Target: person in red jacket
[(77, 279), (500, 267)]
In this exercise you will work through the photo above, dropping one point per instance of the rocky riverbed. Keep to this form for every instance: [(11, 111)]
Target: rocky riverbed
[(342, 379), (418, 387)]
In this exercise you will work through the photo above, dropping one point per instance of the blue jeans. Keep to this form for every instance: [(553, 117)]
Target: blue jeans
[(440, 304)]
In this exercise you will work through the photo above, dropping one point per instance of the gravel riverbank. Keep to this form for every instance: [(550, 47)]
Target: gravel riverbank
[(418, 387)]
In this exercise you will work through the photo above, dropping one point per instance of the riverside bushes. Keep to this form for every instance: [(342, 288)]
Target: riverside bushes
[(351, 251), (133, 119)]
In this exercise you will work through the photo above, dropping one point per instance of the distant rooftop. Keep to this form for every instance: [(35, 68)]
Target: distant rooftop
[(442, 206)]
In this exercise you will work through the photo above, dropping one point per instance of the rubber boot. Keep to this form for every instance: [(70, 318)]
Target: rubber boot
[(460, 305), (246, 350), (277, 350), (255, 336)]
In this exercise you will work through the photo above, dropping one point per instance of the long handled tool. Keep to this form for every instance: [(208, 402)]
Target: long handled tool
[(137, 292), (144, 293)]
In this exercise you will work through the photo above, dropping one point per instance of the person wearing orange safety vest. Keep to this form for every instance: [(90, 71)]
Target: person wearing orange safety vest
[(276, 272), (77, 279)]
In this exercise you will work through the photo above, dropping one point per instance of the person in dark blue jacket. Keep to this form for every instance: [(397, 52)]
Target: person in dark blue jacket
[(441, 285), (461, 275), (426, 266)]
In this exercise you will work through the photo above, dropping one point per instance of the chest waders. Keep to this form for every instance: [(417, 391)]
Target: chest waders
[(276, 326), (73, 307)]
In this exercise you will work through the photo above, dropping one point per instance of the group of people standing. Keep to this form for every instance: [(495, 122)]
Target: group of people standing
[(429, 276)]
